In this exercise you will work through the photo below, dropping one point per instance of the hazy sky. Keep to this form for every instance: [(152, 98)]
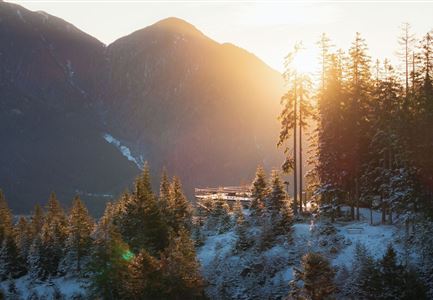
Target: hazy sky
[(268, 29)]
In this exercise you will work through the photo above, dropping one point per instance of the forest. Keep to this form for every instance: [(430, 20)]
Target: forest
[(370, 129)]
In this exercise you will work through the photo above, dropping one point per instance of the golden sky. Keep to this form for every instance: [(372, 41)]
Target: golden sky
[(269, 29)]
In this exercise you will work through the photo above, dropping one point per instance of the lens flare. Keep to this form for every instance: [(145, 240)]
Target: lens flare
[(127, 255)]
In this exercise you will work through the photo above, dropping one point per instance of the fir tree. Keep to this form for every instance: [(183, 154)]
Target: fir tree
[(181, 208), (259, 193), (141, 222), (12, 265), (243, 241), (23, 237), (181, 269), (5, 218), (78, 242), (145, 278), (317, 277), (277, 197), (52, 237), (109, 261)]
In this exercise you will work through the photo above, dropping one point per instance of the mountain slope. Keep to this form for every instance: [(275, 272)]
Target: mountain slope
[(50, 137), (77, 117), (206, 111)]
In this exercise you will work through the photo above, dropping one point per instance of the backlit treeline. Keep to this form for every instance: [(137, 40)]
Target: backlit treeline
[(139, 249), (375, 126)]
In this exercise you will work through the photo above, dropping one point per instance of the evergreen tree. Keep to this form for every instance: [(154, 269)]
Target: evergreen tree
[(277, 197), (165, 199), (317, 277), (358, 102), (243, 241), (52, 237), (259, 193), (364, 282), (141, 222), (181, 208), (37, 220), (23, 237), (78, 242), (181, 269), (5, 218), (145, 278), (109, 261), (330, 151), (219, 217), (12, 265)]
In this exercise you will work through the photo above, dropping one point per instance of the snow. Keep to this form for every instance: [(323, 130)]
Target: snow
[(20, 16), (375, 238), (226, 268), (68, 287), (126, 152), (221, 243)]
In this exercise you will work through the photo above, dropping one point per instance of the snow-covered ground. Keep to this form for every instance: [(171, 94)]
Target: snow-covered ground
[(253, 272), (69, 287), (337, 242)]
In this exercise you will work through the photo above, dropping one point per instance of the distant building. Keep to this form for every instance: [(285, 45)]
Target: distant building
[(230, 194)]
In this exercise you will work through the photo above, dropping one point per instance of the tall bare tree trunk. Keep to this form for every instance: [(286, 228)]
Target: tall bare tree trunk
[(295, 159), (300, 151)]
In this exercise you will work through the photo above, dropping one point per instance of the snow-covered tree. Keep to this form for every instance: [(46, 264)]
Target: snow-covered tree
[(259, 193), (316, 276), (78, 242)]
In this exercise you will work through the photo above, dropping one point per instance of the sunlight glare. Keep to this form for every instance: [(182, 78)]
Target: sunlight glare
[(305, 61)]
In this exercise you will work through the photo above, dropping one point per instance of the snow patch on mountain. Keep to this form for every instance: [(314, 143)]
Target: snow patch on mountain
[(126, 152)]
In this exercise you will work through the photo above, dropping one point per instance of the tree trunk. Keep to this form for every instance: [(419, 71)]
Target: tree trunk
[(300, 153), (357, 198), (295, 159)]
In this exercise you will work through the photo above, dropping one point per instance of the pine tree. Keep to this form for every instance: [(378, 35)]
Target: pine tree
[(365, 281), (181, 269), (78, 242), (358, 103), (141, 222), (391, 274), (145, 278), (219, 217), (284, 222), (52, 237), (259, 193), (165, 199), (5, 218), (109, 261), (317, 277), (277, 197), (23, 237), (243, 241), (329, 150), (12, 265), (35, 259), (37, 220), (181, 208)]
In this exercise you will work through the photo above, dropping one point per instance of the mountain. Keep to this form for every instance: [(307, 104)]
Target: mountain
[(206, 111), (50, 137), (79, 117)]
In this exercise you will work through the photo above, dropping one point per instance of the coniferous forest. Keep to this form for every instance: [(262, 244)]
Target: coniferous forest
[(357, 138)]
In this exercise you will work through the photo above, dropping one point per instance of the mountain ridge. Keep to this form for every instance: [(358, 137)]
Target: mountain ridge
[(174, 97)]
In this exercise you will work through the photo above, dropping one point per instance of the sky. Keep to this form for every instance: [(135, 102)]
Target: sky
[(269, 29)]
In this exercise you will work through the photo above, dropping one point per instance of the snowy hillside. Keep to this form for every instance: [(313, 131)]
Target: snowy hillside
[(266, 274)]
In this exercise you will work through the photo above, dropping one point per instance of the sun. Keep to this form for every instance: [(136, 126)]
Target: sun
[(305, 61)]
